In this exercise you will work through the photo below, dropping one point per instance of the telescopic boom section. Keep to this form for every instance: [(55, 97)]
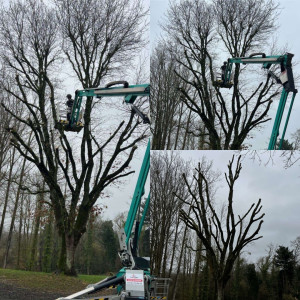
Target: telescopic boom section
[(129, 92), (286, 79), (285, 61), (137, 198)]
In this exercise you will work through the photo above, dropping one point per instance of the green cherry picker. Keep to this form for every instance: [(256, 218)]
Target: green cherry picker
[(113, 89), (286, 79), (133, 281)]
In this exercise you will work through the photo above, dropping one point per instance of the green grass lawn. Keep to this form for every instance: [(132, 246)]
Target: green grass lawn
[(48, 281)]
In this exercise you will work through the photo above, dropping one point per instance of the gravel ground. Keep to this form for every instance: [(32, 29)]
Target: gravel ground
[(8, 292)]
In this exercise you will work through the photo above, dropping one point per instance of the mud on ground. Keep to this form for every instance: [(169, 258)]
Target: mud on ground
[(8, 292)]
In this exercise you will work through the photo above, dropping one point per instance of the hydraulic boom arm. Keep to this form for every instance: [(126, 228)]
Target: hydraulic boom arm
[(286, 79), (130, 236), (129, 92)]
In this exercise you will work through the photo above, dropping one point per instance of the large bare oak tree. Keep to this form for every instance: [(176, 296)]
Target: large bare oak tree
[(97, 39)]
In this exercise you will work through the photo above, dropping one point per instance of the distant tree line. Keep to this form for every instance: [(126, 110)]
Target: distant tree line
[(29, 239), (34, 240)]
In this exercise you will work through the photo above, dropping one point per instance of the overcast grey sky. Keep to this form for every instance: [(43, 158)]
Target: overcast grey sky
[(287, 35), (276, 186), (121, 196)]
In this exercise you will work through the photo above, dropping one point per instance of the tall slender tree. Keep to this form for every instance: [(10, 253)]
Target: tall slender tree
[(223, 235)]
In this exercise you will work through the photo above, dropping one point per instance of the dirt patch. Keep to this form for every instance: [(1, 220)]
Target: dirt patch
[(8, 292)]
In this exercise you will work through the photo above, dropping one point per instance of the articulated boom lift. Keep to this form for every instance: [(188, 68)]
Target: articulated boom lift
[(286, 79), (129, 92), (133, 281)]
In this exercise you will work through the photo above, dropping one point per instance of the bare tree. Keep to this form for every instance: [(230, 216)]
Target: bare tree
[(96, 40), (4, 145), (296, 139), (12, 162), (100, 38), (170, 118), (169, 235), (164, 222), (16, 204), (195, 29), (7, 120), (296, 246), (8, 156), (224, 234)]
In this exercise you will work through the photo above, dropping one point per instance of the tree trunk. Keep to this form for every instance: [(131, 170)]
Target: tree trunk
[(202, 138), (12, 162), (178, 126), (26, 225), (204, 282), (173, 290), (62, 254), (12, 224), (173, 251), (20, 231), (70, 256), (36, 230), (186, 131), (220, 290), (88, 246), (196, 271), (165, 253), (46, 265), (237, 278), (179, 262)]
